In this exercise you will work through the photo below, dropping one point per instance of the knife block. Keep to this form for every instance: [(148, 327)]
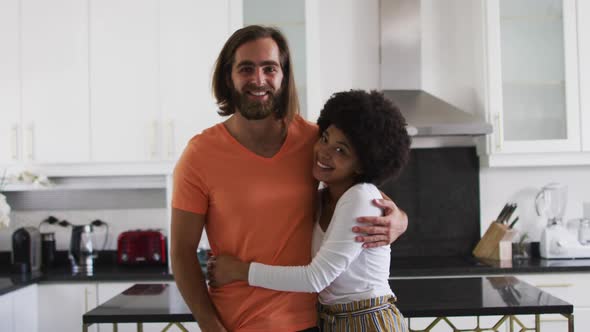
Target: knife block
[(496, 243)]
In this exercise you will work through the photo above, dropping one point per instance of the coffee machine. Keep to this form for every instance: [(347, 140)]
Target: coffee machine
[(557, 240), (26, 249)]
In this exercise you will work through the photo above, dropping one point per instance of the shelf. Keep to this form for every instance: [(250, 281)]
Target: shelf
[(94, 183)]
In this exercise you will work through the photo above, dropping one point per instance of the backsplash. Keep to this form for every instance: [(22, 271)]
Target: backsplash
[(439, 190), (119, 220)]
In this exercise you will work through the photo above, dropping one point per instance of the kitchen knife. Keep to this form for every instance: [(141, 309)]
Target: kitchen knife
[(506, 206)]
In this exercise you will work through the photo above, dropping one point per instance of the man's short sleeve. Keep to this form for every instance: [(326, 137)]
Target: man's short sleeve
[(190, 192)]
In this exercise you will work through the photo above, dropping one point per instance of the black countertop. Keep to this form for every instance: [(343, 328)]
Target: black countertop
[(108, 271), (463, 266), (480, 296), (105, 270)]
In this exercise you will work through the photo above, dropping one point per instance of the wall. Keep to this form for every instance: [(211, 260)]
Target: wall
[(349, 47), (498, 185), (121, 209)]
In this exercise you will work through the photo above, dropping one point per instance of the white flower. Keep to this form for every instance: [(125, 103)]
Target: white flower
[(4, 212)]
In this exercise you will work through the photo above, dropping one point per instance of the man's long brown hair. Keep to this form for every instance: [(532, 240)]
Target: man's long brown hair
[(288, 105)]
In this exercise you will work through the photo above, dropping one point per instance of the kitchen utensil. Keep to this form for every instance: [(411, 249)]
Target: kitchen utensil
[(513, 222), (496, 243), (501, 215)]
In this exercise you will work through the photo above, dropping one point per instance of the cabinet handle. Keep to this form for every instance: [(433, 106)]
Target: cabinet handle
[(554, 285), (30, 145), (14, 142), (170, 138), (85, 300), (499, 135), (154, 139)]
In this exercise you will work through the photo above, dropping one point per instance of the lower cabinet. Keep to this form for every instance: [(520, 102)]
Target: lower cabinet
[(61, 306), (570, 287), (6, 314), (18, 310)]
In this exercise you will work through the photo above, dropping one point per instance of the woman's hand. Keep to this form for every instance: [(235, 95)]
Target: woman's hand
[(383, 230), (223, 269)]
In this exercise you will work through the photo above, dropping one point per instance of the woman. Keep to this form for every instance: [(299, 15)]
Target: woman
[(363, 142)]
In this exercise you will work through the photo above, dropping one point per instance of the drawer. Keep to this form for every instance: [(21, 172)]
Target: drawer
[(570, 287)]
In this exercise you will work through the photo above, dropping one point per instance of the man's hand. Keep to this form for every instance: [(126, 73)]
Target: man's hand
[(223, 269), (383, 230)]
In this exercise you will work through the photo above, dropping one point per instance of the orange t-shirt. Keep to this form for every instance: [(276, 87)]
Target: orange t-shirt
[(258, 209)]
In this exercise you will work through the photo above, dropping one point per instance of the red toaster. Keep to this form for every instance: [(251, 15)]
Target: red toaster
[(146, 247)]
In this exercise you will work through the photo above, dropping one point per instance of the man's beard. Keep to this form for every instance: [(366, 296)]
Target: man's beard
[(257, 110)]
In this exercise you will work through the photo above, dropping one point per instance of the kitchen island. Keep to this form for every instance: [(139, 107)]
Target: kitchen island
[(505, 297)]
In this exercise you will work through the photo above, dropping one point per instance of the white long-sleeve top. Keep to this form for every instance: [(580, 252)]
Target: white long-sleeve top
[(341, 270)]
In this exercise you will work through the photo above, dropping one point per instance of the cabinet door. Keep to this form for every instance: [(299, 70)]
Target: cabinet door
[(9, 82), (584, 54), (192, 35), (61, 306), (6, 314), (124, 80), (25, 306), (533, 75), (54, 55)]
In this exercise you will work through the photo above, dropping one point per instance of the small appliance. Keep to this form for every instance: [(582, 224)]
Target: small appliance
[(26, 249), (141, 247), (558, 241), (48, 250), (82, 251)]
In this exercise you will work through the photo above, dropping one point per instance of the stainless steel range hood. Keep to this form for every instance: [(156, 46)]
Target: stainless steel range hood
[(430, 116), (402, 40)]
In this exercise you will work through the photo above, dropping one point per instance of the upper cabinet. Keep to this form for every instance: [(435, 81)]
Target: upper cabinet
[(10, 123), (535, 82), (192, 34), (125, 82), (123, 39), (43, 81), (151, 75), (584, 55)]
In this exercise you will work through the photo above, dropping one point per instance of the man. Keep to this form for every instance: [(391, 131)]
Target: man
[(248, 180)]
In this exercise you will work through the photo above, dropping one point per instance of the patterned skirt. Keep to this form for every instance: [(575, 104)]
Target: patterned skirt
[(376, 314)]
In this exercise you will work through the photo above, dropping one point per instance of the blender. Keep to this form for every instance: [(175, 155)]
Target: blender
[(557, 241)]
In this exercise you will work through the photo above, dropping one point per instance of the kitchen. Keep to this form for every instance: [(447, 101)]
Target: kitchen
[(139, 122)]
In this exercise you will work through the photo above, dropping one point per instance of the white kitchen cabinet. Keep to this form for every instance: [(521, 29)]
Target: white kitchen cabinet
[(54, 73), (151, 75), (10, 123), (25, 308), (570, 287), (61, 306), (533, 96), (192, 34), (6, 313), (18, 310), (123, 79), (584, 57)]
